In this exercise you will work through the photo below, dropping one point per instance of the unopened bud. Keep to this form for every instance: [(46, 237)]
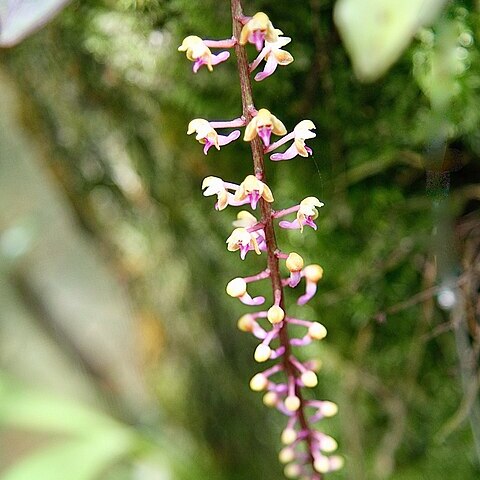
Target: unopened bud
[(329, 409), (245, 323), (328, 444), (270, 399), (315, 364), (321, 464), (294, 262), (292, 403), (286, 455), (236, 287), (309, 379), (313, 272), (336, 463), (317, 331), (292, 471), (275, 314), (289, 435), (258, 382), (262, 353)]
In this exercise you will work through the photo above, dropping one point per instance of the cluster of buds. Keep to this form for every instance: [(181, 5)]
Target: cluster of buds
[(307, 452)]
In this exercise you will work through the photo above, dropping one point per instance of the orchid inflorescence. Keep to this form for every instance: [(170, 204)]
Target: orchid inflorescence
[(306, 450)]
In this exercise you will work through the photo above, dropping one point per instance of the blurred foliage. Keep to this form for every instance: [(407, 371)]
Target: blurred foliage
[(101, 187)]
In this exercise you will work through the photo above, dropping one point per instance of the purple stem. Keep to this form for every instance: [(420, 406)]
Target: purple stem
[(280, 142), (236, 122), (228, 43), (285, 211)]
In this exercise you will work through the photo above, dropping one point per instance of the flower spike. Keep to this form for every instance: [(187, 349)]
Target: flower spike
[(306, 450)]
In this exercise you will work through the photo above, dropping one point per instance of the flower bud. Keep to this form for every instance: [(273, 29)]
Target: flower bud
[(275, 314), (258, 382), (294, 262), (321, 464), (328, 464), (328, 444), (286, 455), (292, 471), (236, 287), (292, 403), (336, 463), (262, 353), (317, 331), (315, 364), (329, 409), (313, 272), (270, 399), (309, 379), (289, 435), (245, 323)]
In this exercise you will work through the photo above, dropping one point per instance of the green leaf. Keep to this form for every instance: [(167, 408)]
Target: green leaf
[(25, 408), (376, 32), (20, 18), (82, 459)]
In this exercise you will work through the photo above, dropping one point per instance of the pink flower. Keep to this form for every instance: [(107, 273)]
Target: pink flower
[(251, 190), (274, 56), (263, 125), (300, 133), (208, 136), (306, 214), (198, 52), (247, 220), (258, 29), (241, 239)]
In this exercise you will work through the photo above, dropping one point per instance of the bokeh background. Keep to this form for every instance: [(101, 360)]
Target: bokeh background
[(119, 353)]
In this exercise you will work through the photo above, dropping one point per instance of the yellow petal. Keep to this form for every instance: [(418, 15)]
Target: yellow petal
[(300, 146), (251, 130), (267, 194), (283, 57), (222, 200), (278, 126)]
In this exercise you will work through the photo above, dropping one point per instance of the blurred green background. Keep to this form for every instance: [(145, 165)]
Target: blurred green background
[(119, 352)]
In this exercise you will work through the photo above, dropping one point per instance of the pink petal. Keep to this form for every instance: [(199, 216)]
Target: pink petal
[(295, 278), (310, 223), (270, 67), (309, 293), (226, 139), (265, 134), (197, 64), (220, 57), (257, 38), (289, 225), (290, 153), (254, 198), (248, 300), (207, 146)]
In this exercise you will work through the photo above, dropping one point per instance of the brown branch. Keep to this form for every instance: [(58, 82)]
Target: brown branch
[(267, 220)]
